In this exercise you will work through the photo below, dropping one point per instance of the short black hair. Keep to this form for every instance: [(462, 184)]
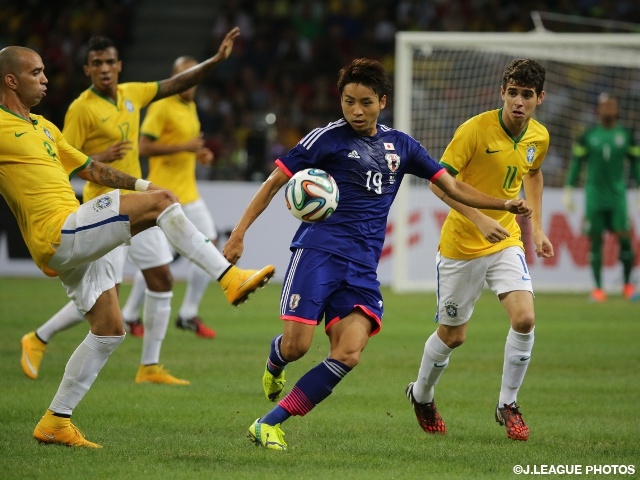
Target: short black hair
[(97, 44), (367, 72), (525, 72)]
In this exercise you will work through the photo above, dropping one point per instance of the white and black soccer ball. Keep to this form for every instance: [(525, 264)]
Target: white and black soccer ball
[(311, 195)]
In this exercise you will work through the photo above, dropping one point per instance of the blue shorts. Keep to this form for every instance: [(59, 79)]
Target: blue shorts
[(320, 284)]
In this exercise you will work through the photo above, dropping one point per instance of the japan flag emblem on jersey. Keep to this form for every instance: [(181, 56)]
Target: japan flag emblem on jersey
[(393, 161), (389, 146), (294, 301)]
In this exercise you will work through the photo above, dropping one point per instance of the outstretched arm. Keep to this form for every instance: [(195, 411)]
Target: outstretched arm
[(489, 227), (192, 76), (234, 247), (469, 196), (102, 174)]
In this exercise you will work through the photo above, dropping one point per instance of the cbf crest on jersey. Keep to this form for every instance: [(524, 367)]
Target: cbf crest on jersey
[(452, 309), (48, 134), (531, 153), (393, 161), (102, 202), (128, 105)]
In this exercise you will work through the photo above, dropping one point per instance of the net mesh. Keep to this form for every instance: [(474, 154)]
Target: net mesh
[(450, 86)]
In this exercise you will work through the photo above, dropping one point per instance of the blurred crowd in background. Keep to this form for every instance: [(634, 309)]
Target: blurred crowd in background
[(279, 82)]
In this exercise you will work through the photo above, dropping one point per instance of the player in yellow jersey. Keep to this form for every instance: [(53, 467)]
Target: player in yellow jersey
[(498, 152), (104, 123), (171, 138), (77, 242)]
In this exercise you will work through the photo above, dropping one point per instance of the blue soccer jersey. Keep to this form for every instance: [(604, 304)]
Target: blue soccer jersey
[(368, 171)]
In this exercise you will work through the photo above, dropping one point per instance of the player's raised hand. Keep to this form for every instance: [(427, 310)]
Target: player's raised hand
[(519, 207), (227, 44)]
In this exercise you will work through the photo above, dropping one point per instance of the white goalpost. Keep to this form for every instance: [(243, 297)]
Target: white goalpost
[(442, 79)]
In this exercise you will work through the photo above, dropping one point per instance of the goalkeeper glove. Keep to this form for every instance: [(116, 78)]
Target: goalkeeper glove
[(567, 199)]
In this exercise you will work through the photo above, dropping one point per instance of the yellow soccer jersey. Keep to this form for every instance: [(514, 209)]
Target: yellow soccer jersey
[(35, 165), (485, 155), (173, 121), (93, 123)]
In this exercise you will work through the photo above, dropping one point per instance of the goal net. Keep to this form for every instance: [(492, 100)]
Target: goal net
[(443, 79)]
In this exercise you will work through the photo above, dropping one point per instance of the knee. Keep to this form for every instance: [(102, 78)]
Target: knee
[(168, 197), (111, 328), (523, 323), (452, 337), (350, 359), (164, 199), (160, 279), (293, 349)]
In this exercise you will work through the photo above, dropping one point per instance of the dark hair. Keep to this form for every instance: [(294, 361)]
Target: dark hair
[(367, 72), (525, 72), (97, 44)]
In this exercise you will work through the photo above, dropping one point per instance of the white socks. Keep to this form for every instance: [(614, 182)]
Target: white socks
[(66, 317), (197, 283), (517, 354), (190, 242), (157, 310), (81, 371), (434, 360), (131, 309)]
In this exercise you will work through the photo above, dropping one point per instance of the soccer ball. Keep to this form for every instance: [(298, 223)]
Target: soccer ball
[(311, 195)]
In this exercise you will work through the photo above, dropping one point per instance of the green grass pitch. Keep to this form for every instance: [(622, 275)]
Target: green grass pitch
[(580, 398)]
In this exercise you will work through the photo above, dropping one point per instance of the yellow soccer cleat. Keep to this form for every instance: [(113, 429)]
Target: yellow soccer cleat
[(238, 284), (157, 374), (32, 351), (268, 436), (273, 386), (58, 430)]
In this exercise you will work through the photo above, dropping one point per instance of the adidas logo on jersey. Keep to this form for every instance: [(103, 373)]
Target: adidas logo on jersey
[(353, 154)]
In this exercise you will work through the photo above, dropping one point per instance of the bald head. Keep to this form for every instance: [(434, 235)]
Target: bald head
[(12, 59), (22, 80), (180, 65)]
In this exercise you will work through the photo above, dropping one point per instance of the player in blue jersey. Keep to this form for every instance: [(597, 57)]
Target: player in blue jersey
[(332, 272)]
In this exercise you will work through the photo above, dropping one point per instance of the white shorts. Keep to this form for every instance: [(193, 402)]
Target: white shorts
[(200, 216), (149, 249), (460, 282), (83, 260)]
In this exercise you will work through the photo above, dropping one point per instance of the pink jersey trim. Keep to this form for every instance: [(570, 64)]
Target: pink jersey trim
[(438, 174), (282, 167), (366, 311), (292, 318)]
